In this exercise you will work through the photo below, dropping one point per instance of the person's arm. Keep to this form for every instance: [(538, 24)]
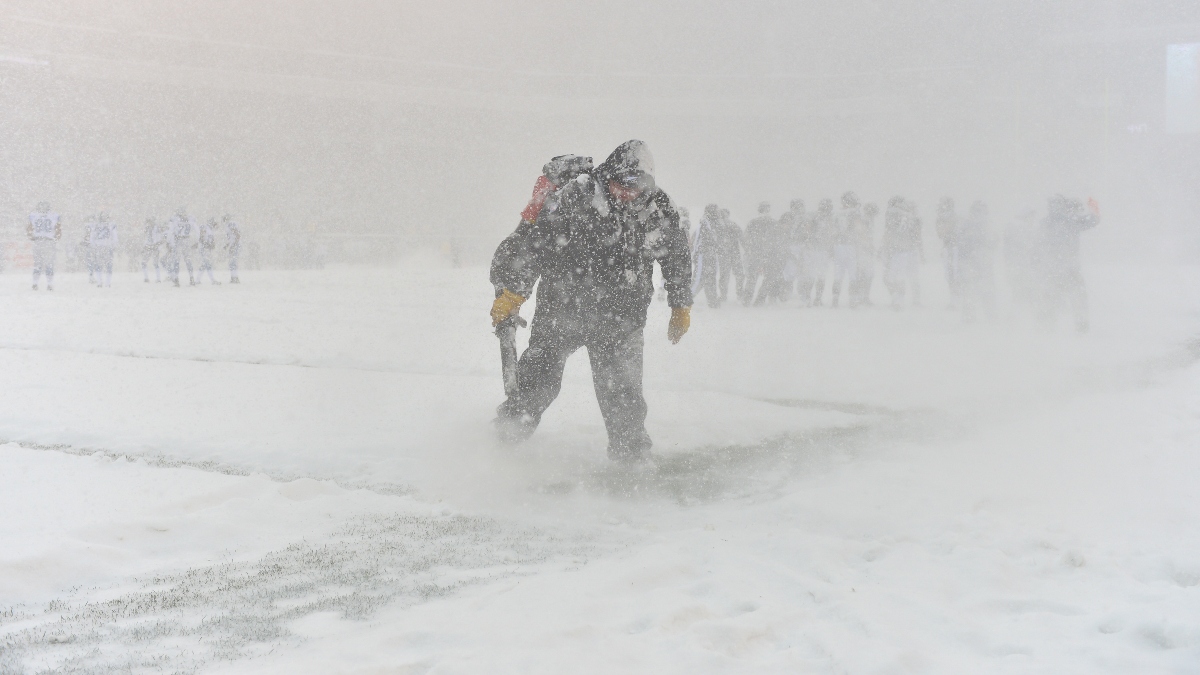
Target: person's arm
[(676, 264), (517, 263), (513, 265), (675, 260)]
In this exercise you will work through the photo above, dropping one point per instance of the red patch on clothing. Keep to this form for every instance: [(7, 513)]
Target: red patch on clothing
[(541, 189)]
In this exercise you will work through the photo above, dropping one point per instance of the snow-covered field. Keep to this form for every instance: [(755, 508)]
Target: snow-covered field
[(297, 475)]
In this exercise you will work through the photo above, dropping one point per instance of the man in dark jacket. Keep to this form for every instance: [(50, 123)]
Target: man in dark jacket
[(730, 237), (593, 248), (706, 256), (761, 236), (1058, 258)]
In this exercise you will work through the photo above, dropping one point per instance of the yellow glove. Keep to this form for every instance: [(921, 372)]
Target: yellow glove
[(681, 319), (506, 304)]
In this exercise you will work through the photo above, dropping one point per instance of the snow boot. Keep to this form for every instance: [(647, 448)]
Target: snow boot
[(630, 450)]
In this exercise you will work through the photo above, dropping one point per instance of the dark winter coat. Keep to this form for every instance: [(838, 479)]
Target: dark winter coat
[(707, 247), (761, 237), (594, 256)]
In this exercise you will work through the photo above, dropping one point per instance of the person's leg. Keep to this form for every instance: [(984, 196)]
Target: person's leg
[(850, 255), (709, 286), (864, 264), (616, 361), (764, 290), (38, 263), (840, 269), (539, 379), (953, 274), (739, 275), (783, 287), (892, 279), (804, 282), (853, 285), (820, 273), (208, 266), (723, 280), (753, 272), (48, 263)]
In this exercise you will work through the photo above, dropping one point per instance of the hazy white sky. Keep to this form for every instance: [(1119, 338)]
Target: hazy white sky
[(435, 117)]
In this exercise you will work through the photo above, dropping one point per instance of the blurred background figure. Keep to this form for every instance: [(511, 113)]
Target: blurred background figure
[(818, 249), (152, 250), (1061, 278), (86, 250), (233, 246), (706, 257), (207, 244), (729, 238), (902, 251), (775, 287), (44, 230), (760, 233), (182, 247), (793, 271), (975, 271), (103, 243), (946, 225), (864, 271), (845, 253)]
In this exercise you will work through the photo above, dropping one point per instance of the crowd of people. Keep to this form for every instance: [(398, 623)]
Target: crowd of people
[(167, 246), (801, 252)]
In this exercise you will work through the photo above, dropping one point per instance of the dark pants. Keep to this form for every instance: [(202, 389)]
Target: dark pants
[(708, 286), (774, 287), (730, 264), (615, 352), (756, 268)]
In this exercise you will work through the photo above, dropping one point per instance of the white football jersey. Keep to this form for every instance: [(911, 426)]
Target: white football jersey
[(104, 235), (44, 225), (181, 228)]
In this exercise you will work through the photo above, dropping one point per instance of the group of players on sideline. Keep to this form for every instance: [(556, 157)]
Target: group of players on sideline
[(776, 258), (166, 245)]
